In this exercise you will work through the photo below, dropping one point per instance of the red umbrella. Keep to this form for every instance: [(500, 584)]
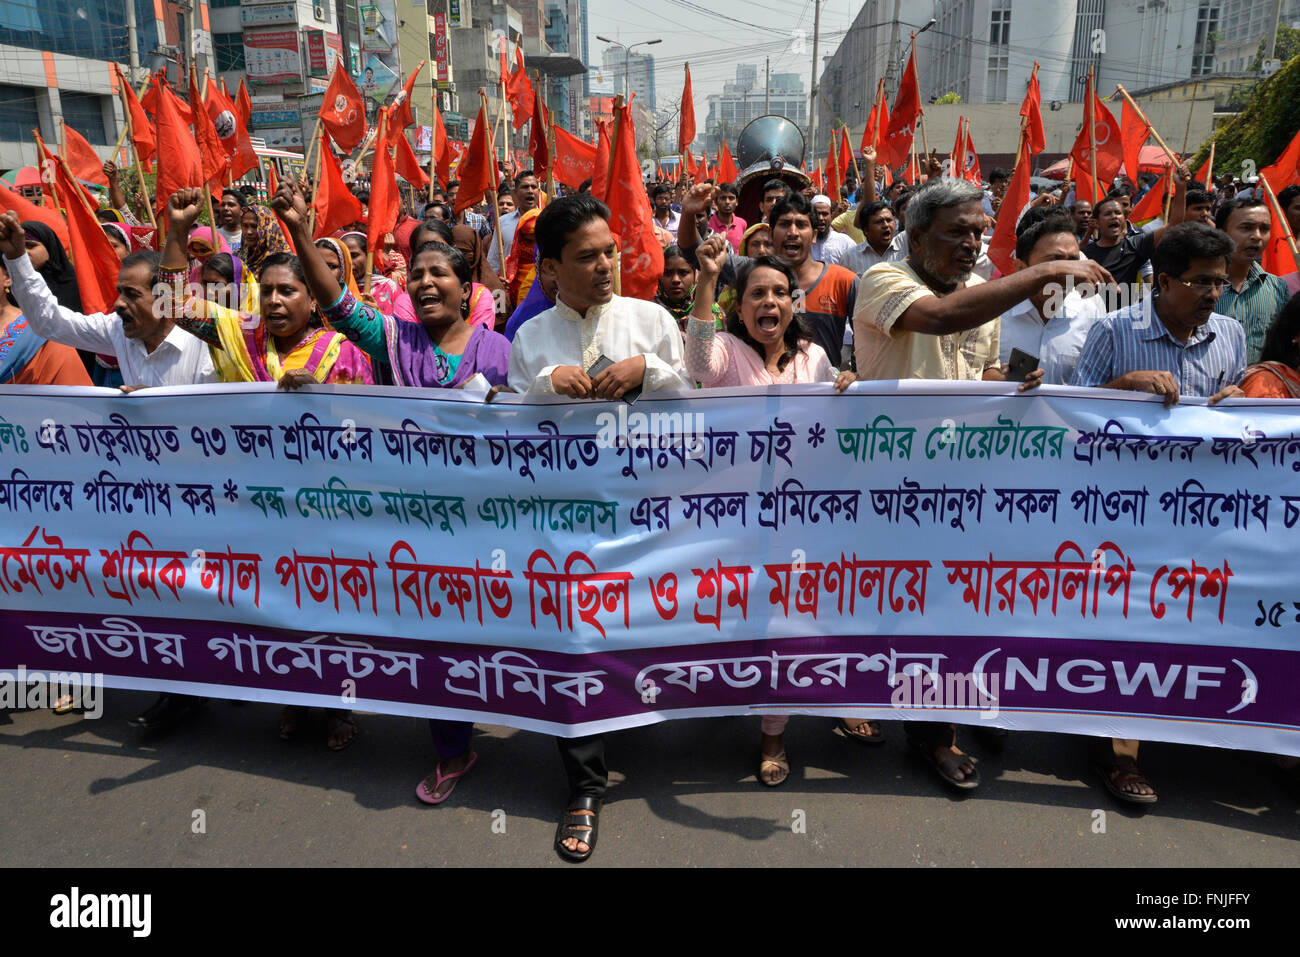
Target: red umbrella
[(23, 176), (1152, 159)]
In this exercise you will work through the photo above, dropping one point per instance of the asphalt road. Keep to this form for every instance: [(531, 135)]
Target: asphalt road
[(96, 793)]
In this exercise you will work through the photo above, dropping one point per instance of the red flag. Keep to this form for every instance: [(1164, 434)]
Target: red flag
[(957, 158), (180, 165), (343, 111), (692, 169), (817, 179), (1032, 110), (384, 198), (573, 159), (845, 159), (82, 158), (727, 172), (244, 103), (214, 157), (520, 91), (1002, 247), (971, 170), (882, 128), (11, 201), (477, 171), (1109, 140), (1285, 170), (441, 156), (641, 258), (142, 137), (47, 164), (1133, 133), (871, 131), (902, 118), (400, 115), (1153, 203), (273, 187), (152, 95), (1206, 173), (505, 68), (600, 165), (234, 134), (334, 203), (686, 127), (408, 167), (96, 262), (538, 146), (1278, 258), (832, 176)]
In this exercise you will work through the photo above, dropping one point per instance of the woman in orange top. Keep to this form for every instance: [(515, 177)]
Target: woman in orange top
[(26, 358), (1275, 376)]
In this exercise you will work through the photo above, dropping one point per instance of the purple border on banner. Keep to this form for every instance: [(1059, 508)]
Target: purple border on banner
[(1202, 685)]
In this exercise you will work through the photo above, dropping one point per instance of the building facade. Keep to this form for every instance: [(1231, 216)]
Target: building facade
[(747, 98)]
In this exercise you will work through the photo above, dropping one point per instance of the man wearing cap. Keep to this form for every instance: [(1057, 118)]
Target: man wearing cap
[(829, 246)]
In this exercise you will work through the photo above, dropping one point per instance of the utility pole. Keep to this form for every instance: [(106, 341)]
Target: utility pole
[(812, 96), (890, 87), (133, 43), (767, 85)]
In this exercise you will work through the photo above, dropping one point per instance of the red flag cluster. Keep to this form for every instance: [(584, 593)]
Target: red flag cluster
[(1002, 247)]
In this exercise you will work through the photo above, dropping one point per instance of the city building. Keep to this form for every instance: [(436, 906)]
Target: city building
[(748, 97), (630, 75)]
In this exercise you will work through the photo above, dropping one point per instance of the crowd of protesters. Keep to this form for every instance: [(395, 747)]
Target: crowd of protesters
[(874, 283)]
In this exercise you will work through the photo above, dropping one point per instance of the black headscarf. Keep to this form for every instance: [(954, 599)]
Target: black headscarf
[(57, 271)]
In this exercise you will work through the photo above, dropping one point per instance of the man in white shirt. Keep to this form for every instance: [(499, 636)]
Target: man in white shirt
[(661, 200), (1050, 325), (878, 224), (150, 349), (230, 215), (527, 193), (829, 245), (550, 355)]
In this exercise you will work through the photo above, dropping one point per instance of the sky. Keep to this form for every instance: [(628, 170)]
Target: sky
[(699, 31)]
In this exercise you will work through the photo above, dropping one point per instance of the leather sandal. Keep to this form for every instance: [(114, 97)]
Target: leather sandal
[(778, 761), (579, 827)]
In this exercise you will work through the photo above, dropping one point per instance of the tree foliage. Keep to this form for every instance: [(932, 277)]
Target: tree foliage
[(1260, 132), (1286, 47), (949, 98)]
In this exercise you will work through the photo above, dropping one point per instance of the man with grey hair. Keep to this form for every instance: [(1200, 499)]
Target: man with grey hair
[(930, 317)]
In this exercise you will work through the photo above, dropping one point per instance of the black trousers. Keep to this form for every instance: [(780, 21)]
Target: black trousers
[(584, 765)]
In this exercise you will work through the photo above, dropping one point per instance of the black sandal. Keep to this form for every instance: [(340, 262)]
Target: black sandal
[(579, 827), (876, 737), (337, 722)]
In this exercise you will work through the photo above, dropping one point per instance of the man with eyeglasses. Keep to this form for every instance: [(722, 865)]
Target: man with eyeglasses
[(1172, 343)]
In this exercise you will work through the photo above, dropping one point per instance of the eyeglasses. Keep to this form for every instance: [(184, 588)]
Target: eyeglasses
[(1203, 287)]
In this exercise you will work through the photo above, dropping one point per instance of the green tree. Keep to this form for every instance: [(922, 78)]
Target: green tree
[(1286, 47), (1260, 132), (949, 98)]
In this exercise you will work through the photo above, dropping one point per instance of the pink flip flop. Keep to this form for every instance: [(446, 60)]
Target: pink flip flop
[(429, 797)]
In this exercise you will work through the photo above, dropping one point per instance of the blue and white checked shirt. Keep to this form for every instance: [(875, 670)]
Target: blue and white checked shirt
[(477, 222), (1134, 339)]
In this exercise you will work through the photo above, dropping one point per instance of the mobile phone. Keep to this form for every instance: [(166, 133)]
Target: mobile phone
[(1020, 365), (603, 363)]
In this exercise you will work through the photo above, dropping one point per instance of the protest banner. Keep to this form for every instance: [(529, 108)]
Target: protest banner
[(1094, 562)]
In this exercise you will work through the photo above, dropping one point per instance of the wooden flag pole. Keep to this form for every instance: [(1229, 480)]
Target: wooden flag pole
[(1143, 117), (491, 193), (370, 253), (139, 166), (925, 141), (433, 142), (315, 179), (1281, 218), (1092, 138), (550, 146), (609, 175)]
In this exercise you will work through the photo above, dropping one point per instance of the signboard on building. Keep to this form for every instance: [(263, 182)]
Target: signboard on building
[(323, 51), (309, 106), (454, 16), (457, 126), (424, 139), (265, 13), (285, 138), (274, 117), (272, 57), (441, 48)]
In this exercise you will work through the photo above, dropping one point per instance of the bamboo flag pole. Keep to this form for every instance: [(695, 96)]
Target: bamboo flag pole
[(370, 253), (315, 178), (1091, 119), (550, 147), (1281, 218), (139, 166), (1143, 117), (492, 192), (925, 142), (609, 175)]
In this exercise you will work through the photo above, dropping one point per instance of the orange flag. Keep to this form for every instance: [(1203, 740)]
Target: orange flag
[(244, 103), (11, 201), (440, 155), (1133, 133), (958, 156), (971, 160), (154, 93), (902, 119), (520, 91), (95, 260), (384, 198), (477, 170), (180, 165), (1206, 173), (539, 148), (82, 158), (1032, 110), (400, 115), (686, 128), (641, 258), (832, 176), (408, 167), (727, 172), (817, 179), (600, 165), (1284, 170), (343, 111), (573, 159), (1002, 247), (1106, 133), (845, 160), (142, 137), (334, 203), (871, 131), (1153, 203), (1278, 258), (692, 170), (233, 134), (46, 163), (215, 159)]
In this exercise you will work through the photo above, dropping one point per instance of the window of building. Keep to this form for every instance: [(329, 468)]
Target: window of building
[(228, 48), (84, 112), (1000, 23), (219, 4), (18, 115), (999, 61), (1207, 26)]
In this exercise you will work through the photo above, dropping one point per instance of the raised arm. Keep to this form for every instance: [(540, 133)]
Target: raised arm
[(359, 322), (706, 356)]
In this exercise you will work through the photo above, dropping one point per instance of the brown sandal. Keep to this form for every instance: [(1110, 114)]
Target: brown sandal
[(778, 761)]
